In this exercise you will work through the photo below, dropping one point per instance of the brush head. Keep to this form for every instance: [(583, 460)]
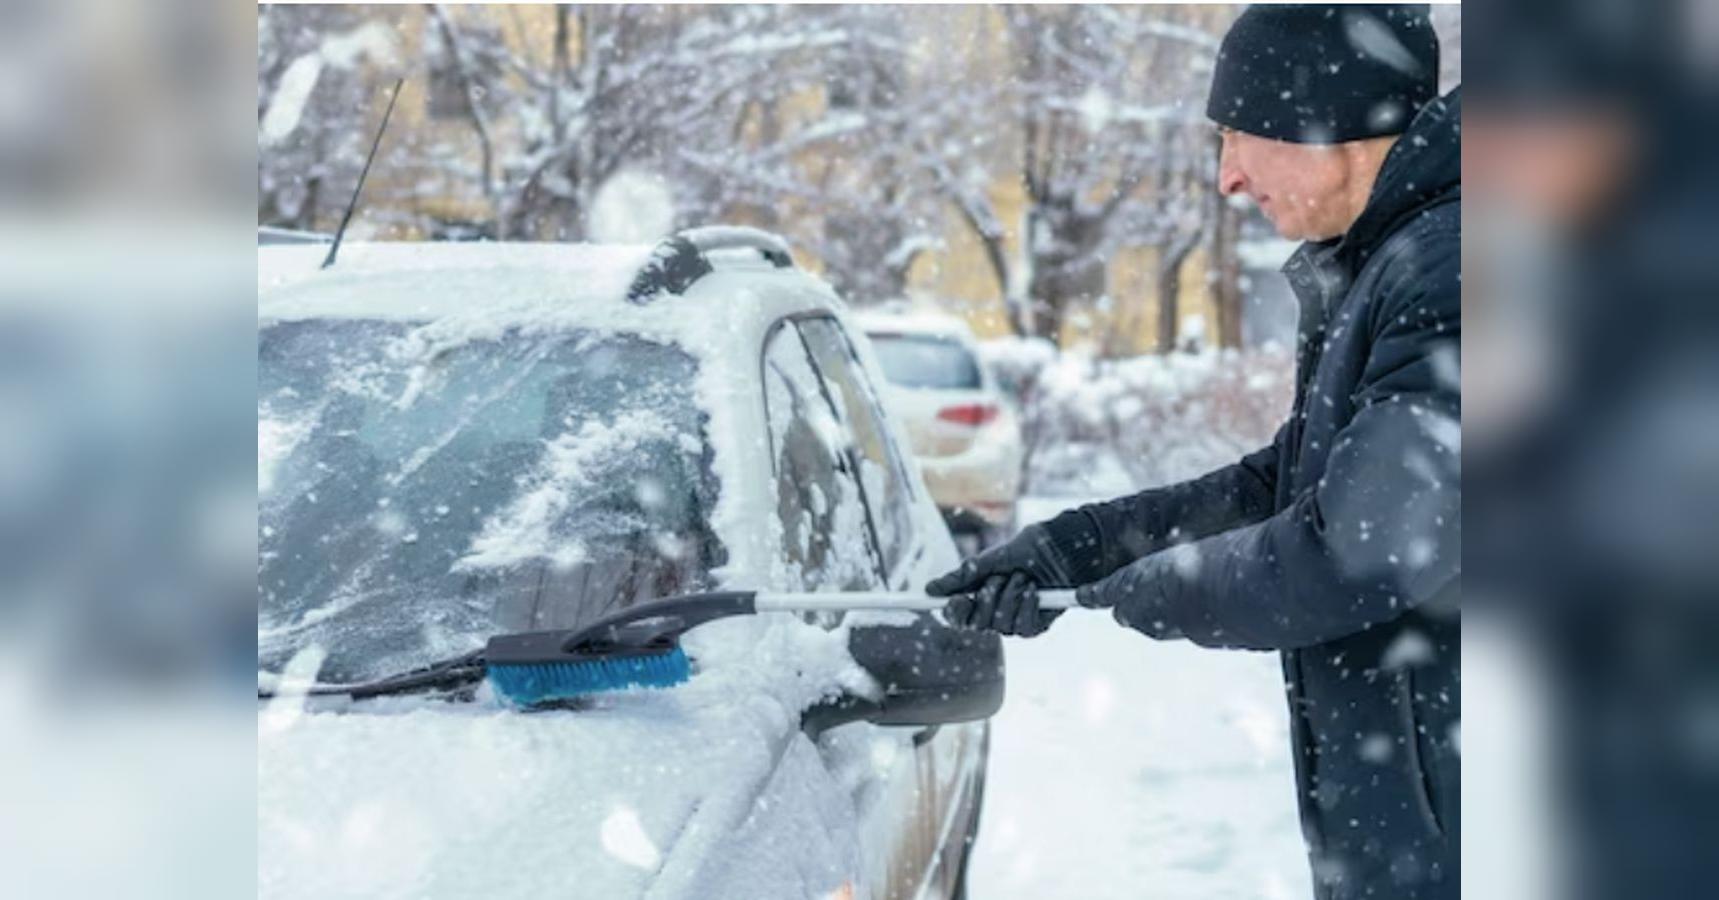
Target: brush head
[(533, 684), (638, 646), (545, 666)]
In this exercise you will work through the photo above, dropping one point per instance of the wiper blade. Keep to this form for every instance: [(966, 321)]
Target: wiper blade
[(637, 645), (459, 671)]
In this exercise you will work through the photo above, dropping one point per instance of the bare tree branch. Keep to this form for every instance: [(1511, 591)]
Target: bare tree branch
[(474, 96)]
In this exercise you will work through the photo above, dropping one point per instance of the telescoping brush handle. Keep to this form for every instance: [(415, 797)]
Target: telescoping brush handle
[(879, 600), (652, 626)]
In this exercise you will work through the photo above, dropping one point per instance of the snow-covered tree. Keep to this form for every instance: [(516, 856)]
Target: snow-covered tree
[(878, 208), (317, 71), (1101, 109), (855, 130), (692, 94)]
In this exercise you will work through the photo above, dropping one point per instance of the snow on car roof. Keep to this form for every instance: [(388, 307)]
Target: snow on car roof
[(914, 321), (583, 283), (600, 265)]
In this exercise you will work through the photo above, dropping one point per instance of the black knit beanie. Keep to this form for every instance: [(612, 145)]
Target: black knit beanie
[(1325, 74)]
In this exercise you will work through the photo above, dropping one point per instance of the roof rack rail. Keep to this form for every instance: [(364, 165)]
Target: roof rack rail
[(680, 259)]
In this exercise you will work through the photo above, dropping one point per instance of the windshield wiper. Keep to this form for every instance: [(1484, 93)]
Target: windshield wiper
[(643, 634), (459, 671)]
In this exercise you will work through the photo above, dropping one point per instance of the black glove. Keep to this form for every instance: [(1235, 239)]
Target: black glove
[(1141, 592), (998, 589)]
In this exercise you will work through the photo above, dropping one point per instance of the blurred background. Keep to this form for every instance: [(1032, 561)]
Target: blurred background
[(1592, 466), (127, 367), (1043, 174)]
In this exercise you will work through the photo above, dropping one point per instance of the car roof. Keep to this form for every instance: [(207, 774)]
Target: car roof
[(915, 321), (538, 285)]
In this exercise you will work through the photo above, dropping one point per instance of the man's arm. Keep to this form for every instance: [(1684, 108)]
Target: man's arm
[(1379, 534), (997, 589), (1128, 528)]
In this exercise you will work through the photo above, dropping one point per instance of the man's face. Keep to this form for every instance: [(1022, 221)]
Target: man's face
[(1306, 190)]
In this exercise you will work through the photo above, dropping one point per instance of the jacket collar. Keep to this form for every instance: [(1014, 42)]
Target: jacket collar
[(1317, 276), (1423, 169)]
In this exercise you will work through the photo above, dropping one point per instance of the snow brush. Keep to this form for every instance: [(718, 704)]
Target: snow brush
[(640, 646)]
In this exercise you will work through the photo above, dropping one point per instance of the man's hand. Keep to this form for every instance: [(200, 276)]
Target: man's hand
[(1140, 592), (998, 589)]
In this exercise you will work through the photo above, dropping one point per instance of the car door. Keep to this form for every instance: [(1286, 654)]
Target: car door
[(829, 543), (945, 759)]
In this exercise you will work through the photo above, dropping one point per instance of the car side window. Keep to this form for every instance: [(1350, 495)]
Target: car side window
[(827, 540), (883, 474)]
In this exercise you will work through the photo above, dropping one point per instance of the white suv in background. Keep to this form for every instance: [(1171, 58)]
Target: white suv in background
[(962, 427)]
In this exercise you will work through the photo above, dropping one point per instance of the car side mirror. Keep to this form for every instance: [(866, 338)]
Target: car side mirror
[(931, 675)]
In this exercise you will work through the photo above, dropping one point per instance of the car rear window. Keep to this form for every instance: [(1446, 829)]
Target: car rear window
[(414, 499), (926, 361)]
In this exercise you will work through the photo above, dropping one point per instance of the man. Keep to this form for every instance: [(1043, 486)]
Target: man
[(1339, 544)]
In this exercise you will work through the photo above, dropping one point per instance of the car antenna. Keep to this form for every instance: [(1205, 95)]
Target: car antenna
[(362, 173)]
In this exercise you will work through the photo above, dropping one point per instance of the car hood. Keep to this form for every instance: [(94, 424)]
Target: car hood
[(707, 789)]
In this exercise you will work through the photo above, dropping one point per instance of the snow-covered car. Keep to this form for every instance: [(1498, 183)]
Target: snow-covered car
[(461, 440), (962, 427)]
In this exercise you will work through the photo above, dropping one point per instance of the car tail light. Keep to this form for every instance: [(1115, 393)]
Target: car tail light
[(974, 414)]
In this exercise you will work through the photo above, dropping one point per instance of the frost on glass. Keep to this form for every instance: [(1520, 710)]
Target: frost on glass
[(827, 540), (411, 504)]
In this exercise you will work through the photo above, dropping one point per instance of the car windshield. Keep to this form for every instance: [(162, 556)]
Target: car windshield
[(415, 497), (926, 361)]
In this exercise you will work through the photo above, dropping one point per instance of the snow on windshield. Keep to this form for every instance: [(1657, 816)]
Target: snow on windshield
[(276, 438), (572, 465), (417, 495)]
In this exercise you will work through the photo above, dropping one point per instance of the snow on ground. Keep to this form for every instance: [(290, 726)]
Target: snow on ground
[(1122, 766), (1126, 767)]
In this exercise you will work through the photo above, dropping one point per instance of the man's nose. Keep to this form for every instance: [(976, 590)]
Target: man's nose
[(1231, 181)]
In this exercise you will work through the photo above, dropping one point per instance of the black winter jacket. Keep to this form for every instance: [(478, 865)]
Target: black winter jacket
[(1340, 544)]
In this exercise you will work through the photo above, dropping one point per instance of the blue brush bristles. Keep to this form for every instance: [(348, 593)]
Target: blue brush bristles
[(529, 684)]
